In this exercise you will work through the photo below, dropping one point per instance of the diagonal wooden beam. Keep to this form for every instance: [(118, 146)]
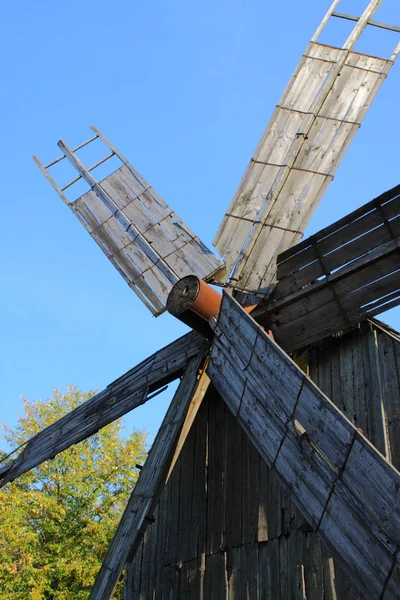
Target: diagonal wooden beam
[(343, 486), (121, 396), (153, 476)]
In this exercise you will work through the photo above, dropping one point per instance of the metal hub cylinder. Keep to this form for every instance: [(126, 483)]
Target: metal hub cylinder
[(194, 302)]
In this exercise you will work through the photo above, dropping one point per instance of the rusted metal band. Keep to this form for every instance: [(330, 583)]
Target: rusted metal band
[(264, 224), (307, 112), (268, 164)]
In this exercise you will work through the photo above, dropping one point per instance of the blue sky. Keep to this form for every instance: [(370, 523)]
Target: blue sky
[(185, 90)]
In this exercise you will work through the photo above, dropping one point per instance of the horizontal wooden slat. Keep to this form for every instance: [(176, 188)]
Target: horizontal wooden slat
[(342, 275), (117, 399), (149, 486), (345, 489), (331, 243)]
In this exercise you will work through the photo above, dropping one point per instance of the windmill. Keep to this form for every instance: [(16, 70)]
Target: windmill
[(301, 292)]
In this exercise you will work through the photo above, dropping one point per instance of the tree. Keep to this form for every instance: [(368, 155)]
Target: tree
[(57, 520)]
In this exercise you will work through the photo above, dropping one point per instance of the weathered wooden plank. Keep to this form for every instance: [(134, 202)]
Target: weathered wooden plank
[(345, 242), (147, 491), (117, 399), (361, 288), (339, 232), (324, 105), (141, 235), (319, 456)]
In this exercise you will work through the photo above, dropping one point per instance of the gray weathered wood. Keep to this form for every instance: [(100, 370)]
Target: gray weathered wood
[(146, 241), (339, 277), (309, 132), (117, 399), (336, 477), (147, 491)]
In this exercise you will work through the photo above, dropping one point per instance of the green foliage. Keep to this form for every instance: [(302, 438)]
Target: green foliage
[(57, 520)]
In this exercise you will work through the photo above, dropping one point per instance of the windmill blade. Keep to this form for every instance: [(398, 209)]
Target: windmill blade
[(152, 479), (123, 395), (140, 234), (342, 485), (305, 140), (342, 275)]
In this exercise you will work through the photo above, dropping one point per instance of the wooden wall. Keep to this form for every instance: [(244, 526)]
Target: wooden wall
[(226, 529)]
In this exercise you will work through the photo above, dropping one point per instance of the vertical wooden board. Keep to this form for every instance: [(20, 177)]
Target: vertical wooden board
[(344, 587), (234, 573), (211, 483), (174, 513), (337, 397), (246, 493), (269, 571), (152, 558), (274, 511), (233, 495), (145, 569), (379, 430), (215, 582), (219, 478), (347, 378), (134, 571), (263, 501), (186, 496), (196, 578), (253, 491), (161, 526), (197, 534), (249, 572), (329, 575), (283, 569), (390, 381), (313, 566)]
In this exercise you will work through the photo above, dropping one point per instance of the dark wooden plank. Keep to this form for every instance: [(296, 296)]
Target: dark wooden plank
[(320, 455), (121, 396), (269, 575), (197, 530), (337, 258), (215, 584), (340, 228), (147, 491)]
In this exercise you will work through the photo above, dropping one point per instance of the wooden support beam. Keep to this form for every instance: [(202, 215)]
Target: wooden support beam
[(348, 492), (152, 479), (121, 396)]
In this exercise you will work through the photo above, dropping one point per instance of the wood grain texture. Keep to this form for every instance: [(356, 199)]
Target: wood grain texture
[(145, 240), (147, 491), (360, 371), (338, 277), (336, 477), (121, 396), (308, 135)]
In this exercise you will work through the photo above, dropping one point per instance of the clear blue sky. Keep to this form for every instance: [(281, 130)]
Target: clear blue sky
[(185, 90)]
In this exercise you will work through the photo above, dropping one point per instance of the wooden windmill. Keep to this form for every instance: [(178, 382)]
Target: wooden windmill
[(233, 502)]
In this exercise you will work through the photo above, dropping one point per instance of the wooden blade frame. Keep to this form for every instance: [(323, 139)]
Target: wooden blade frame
[(140, 234), (153, 477), (308, 135), (344, 274), (342, 485), (121, 396)]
